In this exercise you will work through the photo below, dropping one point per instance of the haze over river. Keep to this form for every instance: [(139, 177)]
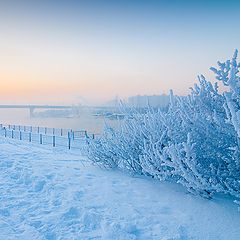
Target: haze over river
[(86, 120)]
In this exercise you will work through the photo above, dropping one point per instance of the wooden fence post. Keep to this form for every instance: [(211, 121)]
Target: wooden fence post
[(41, 141), (69, 143), (54, 141), (9, 131)]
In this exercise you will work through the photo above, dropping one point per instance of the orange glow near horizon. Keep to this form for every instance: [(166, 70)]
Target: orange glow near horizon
[(50, 53), (19, 87)]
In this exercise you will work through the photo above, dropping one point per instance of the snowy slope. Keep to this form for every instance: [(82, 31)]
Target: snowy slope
[(46, 193)]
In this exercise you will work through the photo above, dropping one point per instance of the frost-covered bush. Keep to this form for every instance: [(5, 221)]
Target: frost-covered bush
[(201, 149), (117, 149), (195, 142), (228, 74), (123, 148)]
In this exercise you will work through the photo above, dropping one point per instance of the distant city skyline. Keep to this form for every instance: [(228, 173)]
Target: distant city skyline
[(73, 51)]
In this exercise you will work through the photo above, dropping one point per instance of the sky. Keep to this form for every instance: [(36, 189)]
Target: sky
[(94, 50)]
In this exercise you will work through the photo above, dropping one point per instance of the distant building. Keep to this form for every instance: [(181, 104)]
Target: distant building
[(139, 101)]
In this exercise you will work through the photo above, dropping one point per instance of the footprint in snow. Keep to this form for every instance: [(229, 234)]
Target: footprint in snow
[(50, 176), (90, 176), (4, 212), (165, 210), (78, 195), (90, 220), (182, 230), (72, 213), (57, 202), (39, 186)]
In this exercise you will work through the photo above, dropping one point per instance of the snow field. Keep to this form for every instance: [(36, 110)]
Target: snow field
[(47, 193)]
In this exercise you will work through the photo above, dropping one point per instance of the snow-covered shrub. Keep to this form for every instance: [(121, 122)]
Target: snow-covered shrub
[(117, 149), (122, 148), (203, 150), (195, 142), (228, 74)]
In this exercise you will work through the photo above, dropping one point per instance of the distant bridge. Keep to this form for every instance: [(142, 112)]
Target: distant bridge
[(33, 107)]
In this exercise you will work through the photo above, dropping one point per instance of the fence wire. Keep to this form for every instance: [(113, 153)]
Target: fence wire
[(55, 137)]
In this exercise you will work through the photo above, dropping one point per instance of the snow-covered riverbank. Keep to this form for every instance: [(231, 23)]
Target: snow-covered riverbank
[(46, 193)]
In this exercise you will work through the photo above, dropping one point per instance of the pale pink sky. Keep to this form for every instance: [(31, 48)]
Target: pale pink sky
[(59, 54)]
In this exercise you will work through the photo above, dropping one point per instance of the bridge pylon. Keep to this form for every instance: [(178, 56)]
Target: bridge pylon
[(31, 111)]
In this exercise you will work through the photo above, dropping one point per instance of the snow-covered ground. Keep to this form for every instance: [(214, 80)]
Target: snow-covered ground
[(47, 193)]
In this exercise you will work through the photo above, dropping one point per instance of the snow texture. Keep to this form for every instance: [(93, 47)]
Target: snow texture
[(51, 194)]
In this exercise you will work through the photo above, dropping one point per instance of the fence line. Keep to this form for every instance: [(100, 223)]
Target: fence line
[(50, 131), (48, 136)]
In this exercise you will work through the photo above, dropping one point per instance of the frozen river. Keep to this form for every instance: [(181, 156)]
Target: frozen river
[(86, 121)]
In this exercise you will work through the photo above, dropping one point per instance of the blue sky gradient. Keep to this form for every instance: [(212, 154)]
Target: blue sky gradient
[(100, 49)]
